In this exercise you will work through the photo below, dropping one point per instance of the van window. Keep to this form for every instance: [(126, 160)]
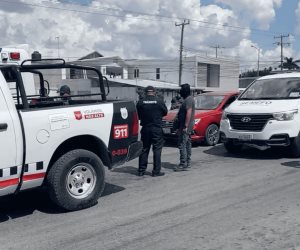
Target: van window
[(278, 88)]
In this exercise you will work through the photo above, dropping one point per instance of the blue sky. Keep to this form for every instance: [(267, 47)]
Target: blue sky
[(117, 27), (284, 23)]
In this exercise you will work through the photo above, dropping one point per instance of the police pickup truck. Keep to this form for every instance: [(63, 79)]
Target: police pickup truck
[(61, 142)]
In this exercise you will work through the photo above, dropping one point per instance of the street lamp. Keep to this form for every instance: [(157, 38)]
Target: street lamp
[(258, 52)]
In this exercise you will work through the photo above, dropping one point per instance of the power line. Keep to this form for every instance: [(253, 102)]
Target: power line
[(217, 47)]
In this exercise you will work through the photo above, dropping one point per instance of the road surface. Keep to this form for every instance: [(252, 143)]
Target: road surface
[(248, 201)]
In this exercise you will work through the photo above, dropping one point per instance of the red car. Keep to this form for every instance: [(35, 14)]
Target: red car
[(208, 111)]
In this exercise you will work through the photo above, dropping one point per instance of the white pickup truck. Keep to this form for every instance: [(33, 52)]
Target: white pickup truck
[(265, 115), (61, 142)]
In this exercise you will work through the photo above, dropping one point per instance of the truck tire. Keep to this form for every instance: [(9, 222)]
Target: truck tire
[(76, 180), (295, 147), (212, 135), (231, 147)]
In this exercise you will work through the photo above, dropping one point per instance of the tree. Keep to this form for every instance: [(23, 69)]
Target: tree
[(290, 63)]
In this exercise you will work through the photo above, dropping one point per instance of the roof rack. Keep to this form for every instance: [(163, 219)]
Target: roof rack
[(25, 65)]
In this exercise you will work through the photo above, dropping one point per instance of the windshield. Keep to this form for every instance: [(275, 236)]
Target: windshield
[(280, 88), (208, 101)]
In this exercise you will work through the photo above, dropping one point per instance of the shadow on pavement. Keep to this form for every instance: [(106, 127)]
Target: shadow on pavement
[(125, 170), (292, 164), (249, 153), (25, 203), (168, 165), (131, 170), (111, 189)]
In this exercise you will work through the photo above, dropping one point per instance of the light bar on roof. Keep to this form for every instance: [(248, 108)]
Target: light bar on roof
[(14, 55)]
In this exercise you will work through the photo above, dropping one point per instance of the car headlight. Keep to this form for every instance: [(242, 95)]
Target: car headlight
[(285, 116), (224, 115), (196, 121)]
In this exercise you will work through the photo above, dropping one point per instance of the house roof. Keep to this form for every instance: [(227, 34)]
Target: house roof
[(99, 61), (94, 54)]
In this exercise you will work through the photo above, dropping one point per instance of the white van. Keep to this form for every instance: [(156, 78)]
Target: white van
[(265, 115), (16, 54)]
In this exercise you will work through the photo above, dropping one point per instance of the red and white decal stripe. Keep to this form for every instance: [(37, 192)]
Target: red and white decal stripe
[(11, 176)]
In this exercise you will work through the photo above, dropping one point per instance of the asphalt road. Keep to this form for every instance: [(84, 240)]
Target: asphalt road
[(249, 201)]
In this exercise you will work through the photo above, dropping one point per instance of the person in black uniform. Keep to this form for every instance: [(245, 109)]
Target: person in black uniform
[(151, 110)]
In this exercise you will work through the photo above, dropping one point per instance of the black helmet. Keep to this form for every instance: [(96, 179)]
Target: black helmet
[(65, 89)]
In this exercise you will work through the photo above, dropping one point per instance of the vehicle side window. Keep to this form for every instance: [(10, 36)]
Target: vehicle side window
[(229, 101)]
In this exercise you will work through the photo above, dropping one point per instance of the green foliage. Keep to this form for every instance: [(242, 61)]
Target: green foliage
[(290, 63)]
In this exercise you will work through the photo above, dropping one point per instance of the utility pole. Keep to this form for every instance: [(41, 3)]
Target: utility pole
[(281, 43), (185, 22), (57, 37), (217, 47)]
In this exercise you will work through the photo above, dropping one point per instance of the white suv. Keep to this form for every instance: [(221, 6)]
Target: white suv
[(265, 115)]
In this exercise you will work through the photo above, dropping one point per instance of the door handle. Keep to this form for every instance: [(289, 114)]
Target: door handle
[(3, 127)]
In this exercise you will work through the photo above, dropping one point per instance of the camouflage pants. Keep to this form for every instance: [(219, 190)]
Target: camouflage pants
[(185, 148)]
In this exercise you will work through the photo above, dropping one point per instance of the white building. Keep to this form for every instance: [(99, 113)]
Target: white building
[(200, 72), (127, 77)]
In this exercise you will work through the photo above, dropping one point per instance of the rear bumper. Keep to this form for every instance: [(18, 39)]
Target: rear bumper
[(134, 150)]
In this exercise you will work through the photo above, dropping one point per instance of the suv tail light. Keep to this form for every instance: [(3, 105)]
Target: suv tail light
[(135, 127), (14, 55)]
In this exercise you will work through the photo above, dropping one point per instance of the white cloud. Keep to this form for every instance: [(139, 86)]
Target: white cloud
[(107, 27), (258, 11), (297, 11)]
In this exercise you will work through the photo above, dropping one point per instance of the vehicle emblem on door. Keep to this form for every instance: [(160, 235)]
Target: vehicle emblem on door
[(246, 119), (78, 115), (124, 113)]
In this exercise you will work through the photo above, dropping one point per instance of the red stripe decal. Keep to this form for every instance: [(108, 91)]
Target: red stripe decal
[(31, 177), (15, 181), (7, 183)]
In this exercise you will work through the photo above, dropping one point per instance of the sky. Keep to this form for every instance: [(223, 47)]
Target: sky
[(146, 28)]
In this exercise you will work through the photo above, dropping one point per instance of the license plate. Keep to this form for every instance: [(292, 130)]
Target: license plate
[(247, 137), (167, 130)]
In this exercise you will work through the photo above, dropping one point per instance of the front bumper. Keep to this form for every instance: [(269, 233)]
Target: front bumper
[(275, 133)]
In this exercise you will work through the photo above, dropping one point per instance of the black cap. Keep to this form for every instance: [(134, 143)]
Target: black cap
[(149, 89)]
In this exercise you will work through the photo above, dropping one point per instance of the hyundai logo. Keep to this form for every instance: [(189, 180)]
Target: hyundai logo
[(246, 119)]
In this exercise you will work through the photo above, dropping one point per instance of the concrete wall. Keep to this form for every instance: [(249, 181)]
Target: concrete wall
[(229, 72)]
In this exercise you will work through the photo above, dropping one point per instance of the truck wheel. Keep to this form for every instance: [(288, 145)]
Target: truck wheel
[(212, 135), (295, 147), (231, 147), (76, 180)]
